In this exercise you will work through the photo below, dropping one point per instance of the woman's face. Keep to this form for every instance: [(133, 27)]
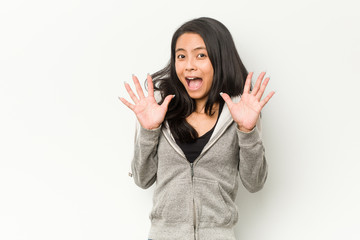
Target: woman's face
[(193, 66)]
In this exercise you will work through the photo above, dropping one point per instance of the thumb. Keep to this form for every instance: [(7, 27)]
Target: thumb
[(227, 99), (167, 100)]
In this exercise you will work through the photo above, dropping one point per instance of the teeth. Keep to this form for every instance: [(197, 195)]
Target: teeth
[(191, 78)]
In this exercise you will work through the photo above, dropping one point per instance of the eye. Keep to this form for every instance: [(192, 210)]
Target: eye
[(201, 55), (180, 56)]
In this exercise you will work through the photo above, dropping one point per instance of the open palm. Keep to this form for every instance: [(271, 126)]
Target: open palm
[(246, 112), (148, 112)]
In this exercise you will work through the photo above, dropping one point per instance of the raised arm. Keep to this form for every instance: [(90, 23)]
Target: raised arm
[(246, 113), (150, 116)]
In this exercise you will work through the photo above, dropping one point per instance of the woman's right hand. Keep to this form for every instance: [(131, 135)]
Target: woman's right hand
[(148, 112)]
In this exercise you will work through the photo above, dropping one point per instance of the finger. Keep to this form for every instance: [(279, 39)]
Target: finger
[(262, 88), (258, 83), (131, 93), (227, 99), (248, 83), (129, 105), (150, 86), (138, 87), (167, 100), (265, 100)]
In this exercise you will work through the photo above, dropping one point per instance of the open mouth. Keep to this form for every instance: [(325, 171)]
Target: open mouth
[(193, 83)]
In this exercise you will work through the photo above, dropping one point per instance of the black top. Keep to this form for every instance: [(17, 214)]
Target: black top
[(193, 150)]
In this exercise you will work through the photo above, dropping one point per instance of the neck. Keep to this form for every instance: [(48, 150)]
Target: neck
[(200, 106)]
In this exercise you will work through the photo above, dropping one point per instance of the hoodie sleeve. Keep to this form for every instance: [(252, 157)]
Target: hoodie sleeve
[(253, 167), (144, 163)]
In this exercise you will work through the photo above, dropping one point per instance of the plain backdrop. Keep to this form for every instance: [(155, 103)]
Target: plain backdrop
[(66, 141)]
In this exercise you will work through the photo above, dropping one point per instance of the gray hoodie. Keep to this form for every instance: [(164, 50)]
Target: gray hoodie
[(196, 201)]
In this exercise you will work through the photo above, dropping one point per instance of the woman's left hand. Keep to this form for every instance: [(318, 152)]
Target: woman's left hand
[(246, 112)]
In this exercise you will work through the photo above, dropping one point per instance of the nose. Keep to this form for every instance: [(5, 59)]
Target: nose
[(190, 64)]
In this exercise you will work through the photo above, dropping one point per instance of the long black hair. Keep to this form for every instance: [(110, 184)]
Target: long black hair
[(229, 75)]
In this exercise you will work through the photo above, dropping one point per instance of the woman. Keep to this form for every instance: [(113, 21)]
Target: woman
[(199, 136)]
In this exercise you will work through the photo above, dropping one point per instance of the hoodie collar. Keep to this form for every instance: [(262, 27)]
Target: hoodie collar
[(223, 123)]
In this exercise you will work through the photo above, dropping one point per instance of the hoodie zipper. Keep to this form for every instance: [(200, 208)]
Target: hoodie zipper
[(194, 208), (192, 170), (212, 141)]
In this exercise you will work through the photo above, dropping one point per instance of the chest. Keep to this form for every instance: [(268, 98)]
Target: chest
[(220, 157), (202, 123)]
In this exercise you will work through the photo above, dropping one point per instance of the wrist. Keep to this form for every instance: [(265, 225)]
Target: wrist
[(155, 127), (243, 129)]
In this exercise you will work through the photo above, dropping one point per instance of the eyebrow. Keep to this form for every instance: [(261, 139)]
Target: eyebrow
[(195, 49)]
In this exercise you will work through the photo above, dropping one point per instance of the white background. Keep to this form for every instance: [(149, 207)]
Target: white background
[(66, 140)]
